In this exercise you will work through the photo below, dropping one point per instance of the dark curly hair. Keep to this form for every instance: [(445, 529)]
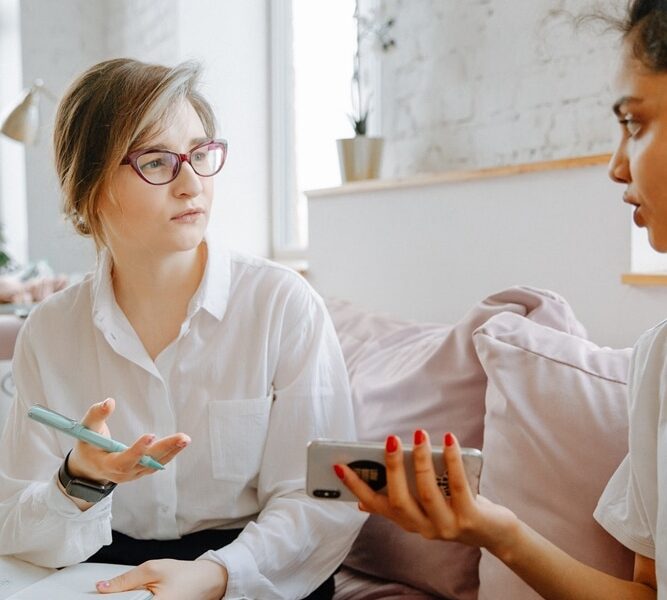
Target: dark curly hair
[(645, 23)]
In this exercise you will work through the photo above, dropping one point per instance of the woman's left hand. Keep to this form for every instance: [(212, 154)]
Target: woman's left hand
[(172, 580), (463, 517)]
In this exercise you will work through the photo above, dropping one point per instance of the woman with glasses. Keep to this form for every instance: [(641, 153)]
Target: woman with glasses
[(633, 507), (218, 365)]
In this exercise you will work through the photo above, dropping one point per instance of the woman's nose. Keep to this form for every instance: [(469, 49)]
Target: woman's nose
[(187, 182), (619, 170)]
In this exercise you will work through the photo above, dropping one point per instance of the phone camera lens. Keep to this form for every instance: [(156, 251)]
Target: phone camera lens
[(326, 493)]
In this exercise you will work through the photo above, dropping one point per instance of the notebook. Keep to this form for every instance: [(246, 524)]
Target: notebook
[(20, 580)]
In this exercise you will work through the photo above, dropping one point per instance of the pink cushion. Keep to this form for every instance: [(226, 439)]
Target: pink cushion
[(555, 431), (351, 585), (9, 330), (407, 375)]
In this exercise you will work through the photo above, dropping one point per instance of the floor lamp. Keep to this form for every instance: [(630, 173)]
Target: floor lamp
[(22, 123)]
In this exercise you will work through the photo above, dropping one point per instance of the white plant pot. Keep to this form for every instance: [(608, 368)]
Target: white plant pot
[(359, 157)]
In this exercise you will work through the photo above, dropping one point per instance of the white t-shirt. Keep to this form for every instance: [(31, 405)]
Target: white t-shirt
[(255, 373), (633, 507)]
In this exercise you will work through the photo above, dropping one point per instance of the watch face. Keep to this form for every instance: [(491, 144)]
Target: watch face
[(87, 492)]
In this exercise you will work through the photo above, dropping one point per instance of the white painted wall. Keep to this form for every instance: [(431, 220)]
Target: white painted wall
[(430, 253), (60, 39)]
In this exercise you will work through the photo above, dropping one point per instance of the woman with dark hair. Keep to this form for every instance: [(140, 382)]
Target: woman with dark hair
[(633, 507)]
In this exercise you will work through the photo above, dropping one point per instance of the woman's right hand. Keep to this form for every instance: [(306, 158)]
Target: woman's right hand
[(89, 462), (465, 518)]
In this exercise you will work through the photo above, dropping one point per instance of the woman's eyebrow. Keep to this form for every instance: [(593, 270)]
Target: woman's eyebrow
[(194, 142), (622, 102), (162, 146)]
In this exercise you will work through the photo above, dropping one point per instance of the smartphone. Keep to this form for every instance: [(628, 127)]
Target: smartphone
[(367, 461)]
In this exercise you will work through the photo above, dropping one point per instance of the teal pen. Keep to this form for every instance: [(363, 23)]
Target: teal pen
[(81, 432)]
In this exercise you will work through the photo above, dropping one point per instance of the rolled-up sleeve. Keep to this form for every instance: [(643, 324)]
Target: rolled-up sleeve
[(38, 523)]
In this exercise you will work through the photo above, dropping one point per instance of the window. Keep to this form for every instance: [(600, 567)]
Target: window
[(13, 216), (313, 43)]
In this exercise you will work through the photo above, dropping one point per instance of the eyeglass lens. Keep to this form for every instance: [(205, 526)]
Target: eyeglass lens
[(162, 167)]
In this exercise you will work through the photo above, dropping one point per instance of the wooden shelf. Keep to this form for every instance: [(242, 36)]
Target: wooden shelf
[(424, 179), (644, 279)]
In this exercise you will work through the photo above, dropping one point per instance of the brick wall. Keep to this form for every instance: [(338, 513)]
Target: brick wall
[(476, 83)]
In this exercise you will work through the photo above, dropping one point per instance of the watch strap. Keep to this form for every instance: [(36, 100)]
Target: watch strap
[(84, 489)]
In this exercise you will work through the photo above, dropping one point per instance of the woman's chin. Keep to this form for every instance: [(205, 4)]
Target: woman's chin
[(658, 241)]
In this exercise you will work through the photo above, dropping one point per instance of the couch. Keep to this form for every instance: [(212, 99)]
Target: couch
[(517, 377)]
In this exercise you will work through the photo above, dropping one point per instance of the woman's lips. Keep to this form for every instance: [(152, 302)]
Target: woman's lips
[(636, 215), (188, 216)]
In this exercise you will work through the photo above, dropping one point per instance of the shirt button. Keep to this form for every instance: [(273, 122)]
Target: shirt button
[(164, 509)]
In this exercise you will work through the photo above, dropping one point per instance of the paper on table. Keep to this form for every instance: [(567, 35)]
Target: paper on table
[(16, 575), (78, 583)]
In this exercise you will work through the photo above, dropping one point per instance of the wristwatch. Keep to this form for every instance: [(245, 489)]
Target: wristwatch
[(90, 491)]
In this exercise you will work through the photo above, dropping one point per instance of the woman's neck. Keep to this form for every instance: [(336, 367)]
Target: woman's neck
[(152, 279), (154, 293)]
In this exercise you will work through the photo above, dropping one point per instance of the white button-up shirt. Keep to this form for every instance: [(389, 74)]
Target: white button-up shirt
[(255, 373), (633, 506)]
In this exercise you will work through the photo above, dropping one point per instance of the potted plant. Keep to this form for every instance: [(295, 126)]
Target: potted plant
[(360, 156)]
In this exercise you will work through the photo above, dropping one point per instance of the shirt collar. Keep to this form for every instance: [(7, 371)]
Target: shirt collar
[(102, 290), (212, 294)]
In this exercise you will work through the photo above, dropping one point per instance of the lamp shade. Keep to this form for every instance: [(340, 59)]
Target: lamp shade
[(22, 123)]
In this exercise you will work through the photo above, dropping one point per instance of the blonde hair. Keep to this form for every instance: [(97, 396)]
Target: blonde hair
[(108, 110)]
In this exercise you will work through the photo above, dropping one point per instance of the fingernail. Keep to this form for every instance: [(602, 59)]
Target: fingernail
[(339, 472), (150, 439), (392, 443), (419, 437), (182, 444), (449, 439), (103, 584), (105, 403)]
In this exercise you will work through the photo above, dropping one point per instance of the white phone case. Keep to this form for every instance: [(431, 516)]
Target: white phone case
[(367, 460)]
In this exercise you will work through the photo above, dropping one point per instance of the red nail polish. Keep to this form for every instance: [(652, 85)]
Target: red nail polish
[(419, 437), (339, 472), (392, 443), (449, 439)]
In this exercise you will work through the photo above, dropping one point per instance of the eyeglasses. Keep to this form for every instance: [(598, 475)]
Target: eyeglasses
[(158, 167)]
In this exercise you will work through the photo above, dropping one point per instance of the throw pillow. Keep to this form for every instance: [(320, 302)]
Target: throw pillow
[(555, 431), (408, 375)]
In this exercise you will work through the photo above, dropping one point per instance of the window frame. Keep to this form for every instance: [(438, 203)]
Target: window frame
[(283, 157)]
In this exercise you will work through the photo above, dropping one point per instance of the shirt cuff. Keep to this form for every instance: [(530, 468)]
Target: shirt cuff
[(241, 568), (57, 501)]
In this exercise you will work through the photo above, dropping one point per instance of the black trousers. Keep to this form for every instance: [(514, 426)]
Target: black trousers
[(125, 550)]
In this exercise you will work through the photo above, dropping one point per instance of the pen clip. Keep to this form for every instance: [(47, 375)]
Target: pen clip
[(51, 417)]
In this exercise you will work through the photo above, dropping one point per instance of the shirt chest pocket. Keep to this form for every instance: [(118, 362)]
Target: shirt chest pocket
[(238, 430)]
